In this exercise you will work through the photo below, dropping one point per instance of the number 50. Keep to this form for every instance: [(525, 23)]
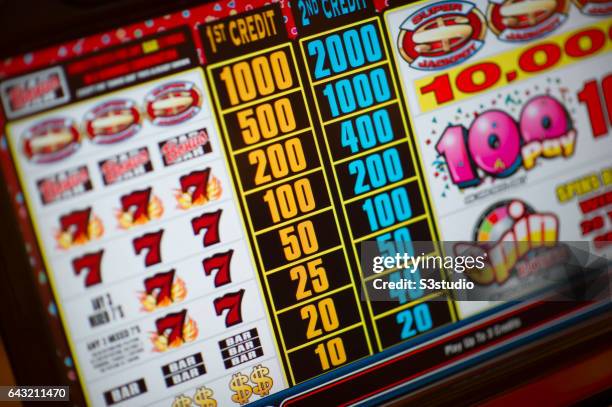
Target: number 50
[(298, 240)]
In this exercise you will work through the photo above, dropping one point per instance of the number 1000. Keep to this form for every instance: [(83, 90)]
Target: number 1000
[(261, 76), (359, 92)]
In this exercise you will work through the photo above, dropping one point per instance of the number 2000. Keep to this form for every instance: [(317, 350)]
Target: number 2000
[(349, 51)]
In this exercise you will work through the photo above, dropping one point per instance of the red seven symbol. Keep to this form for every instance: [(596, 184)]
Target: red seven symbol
[(90, 262), (195, 184), (221, 264), (138, 201), (76, 223), (162, 283), (233, 303), (210, 222), (152, 243), (171, 325)]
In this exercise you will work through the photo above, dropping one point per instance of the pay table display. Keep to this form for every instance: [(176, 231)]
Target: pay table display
[(195, 190)]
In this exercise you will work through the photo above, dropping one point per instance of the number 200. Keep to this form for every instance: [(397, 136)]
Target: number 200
[(279, 158)]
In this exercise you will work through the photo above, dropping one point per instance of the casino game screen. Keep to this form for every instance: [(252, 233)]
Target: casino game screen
[(307, 202)]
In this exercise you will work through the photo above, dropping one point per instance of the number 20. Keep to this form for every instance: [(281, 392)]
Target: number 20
[(419, 316), (324, 309)]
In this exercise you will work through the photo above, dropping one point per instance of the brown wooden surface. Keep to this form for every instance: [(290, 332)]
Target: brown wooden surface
[(6, 371), (486, 383), (7, 378), (23, 323)]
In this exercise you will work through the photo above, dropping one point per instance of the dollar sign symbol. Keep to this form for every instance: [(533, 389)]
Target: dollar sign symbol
[(263, 382), (203, 397), (242, 389), (181, 401)]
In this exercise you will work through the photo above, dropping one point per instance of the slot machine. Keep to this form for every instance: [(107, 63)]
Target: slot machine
[(292, 203)]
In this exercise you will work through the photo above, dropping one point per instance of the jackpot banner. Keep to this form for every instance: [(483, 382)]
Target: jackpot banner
[(215, 202)]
